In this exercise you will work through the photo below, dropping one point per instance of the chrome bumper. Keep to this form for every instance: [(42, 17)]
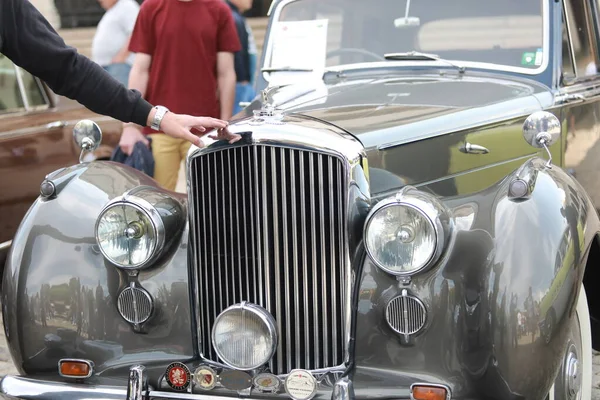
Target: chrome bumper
[(18, 387)]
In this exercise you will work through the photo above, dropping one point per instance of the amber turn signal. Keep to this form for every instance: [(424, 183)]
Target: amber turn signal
[(426, 392), (75, 368)]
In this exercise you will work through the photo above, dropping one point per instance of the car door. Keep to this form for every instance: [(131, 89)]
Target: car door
[(579, 93), (33, 142)]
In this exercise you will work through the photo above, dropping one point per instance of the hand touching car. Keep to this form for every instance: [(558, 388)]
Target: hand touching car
[(175, 125)]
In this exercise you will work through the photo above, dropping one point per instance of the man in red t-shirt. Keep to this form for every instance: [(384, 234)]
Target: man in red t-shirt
[(185, 61)]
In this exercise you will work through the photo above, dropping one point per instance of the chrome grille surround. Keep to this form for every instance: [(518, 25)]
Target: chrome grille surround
[(321, 197), (406, 314)]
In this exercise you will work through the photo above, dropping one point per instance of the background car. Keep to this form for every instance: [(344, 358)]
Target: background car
[(36, 139)]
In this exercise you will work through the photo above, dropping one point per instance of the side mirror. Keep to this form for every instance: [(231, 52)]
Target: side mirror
[(87, 135), (541, 130)]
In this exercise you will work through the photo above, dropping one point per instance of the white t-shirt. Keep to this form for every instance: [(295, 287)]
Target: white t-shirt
[(114, 30)]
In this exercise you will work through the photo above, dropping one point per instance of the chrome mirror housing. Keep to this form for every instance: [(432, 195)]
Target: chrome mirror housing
[(541, 130), (88, 136)]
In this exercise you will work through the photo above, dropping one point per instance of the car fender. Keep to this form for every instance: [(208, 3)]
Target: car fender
[(55, 261)]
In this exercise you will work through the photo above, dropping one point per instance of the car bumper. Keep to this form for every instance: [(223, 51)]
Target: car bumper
[(19, 387)]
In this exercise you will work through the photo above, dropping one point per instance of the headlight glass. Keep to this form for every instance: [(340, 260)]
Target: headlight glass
[(126, 235), (244, 336), (400, 239)]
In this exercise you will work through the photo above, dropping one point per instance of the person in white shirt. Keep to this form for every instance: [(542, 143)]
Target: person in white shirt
[(111, 41)]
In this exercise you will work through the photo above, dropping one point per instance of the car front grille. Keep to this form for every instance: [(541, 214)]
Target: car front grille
[(269, 227)]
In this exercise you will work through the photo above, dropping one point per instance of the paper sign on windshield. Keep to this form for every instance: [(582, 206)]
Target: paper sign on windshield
[(300, 44)]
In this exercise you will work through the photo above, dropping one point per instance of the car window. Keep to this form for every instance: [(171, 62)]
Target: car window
[(10, 94), (328, 33), (581, 35), (32, 89)]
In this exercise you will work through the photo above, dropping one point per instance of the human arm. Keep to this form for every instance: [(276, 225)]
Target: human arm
[(226, 82), (29, 40), (138, 80)]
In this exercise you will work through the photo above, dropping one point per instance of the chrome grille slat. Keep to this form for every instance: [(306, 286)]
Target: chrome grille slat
[(270, 223)]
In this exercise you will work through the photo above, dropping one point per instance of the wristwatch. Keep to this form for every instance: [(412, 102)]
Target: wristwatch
[(158, 117)]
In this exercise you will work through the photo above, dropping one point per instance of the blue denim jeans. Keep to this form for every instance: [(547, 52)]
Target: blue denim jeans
[(243, 92), (119, 71)]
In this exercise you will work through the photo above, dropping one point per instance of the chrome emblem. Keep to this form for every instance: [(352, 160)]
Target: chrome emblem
[(266, 383), (178, 376), (235, 380), (205, 377), (301, 385)]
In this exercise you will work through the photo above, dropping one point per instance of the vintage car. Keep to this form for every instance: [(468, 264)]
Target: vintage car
[(35, 139), (407, 211)]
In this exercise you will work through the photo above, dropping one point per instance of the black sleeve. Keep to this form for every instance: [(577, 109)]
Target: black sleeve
[(29, 40)]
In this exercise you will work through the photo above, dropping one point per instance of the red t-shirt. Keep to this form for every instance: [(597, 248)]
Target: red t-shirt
[(183, 38)]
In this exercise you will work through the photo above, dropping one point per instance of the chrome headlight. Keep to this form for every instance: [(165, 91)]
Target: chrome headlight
[(406, 233), (244, 336), (131, 231)]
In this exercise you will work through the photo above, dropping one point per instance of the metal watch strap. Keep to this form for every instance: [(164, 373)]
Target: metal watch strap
[(158, 117)]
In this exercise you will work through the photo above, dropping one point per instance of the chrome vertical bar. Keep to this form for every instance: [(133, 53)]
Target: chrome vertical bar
[(213, 254), (286, 257), (313, 234), (304, 266), (265, 226), (324, 270), (295, 252), (276, 260), (259, 240), (334, 265), (241, 200), (344, 292), (200, 268), (223, 231)]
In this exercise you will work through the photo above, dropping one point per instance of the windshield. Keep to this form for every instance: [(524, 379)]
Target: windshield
[(310, 35)]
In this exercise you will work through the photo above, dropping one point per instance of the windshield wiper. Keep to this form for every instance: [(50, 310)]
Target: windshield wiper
[(415, 55), (290, 69)]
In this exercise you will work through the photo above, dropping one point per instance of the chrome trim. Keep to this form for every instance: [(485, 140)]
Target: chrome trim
[(302, 135), (21, 387), (5, 245), (343, 389), (89, 363), (437, 385), (129, 199), (264, 316), (488, 66), (138, 383), (429, 207)]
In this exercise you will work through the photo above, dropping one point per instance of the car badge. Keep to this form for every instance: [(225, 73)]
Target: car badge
[(266, 383), (178, 376), (300, 385), (235, 380), (205, 377)]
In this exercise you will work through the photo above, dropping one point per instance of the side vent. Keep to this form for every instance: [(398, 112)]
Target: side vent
[(406, 314), (135, 305)]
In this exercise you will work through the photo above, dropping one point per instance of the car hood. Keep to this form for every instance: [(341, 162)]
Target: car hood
[(411, 107)]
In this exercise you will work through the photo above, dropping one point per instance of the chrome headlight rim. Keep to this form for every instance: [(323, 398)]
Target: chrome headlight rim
[(264, 316), (153, 216), (429, 208)]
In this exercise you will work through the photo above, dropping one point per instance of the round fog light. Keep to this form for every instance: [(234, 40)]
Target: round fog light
[(244, 336)]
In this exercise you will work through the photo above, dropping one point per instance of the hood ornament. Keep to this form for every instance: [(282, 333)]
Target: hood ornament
[(268, 112)]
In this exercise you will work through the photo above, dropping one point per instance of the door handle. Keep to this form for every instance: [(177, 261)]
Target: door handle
[(56, 124), (470, 148)]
